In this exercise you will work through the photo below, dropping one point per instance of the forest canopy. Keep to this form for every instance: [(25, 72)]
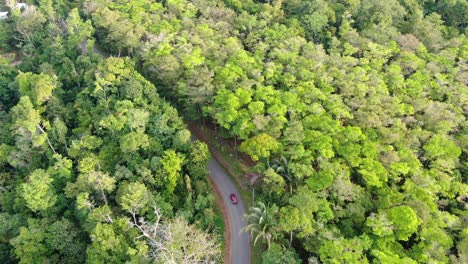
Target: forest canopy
[(354, 112), (96, 167)]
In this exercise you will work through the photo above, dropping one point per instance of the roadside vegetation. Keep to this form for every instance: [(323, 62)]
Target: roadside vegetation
[(353, 111)]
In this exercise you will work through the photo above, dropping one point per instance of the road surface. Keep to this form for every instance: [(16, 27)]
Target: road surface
[(240, 245)]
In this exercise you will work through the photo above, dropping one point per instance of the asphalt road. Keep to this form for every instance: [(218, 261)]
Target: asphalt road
[(240, 245)]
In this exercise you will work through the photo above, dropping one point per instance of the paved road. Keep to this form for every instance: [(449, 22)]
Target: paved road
[(240, 245)]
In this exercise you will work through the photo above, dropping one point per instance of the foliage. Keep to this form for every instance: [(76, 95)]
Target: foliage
[(88, 147), (355, 112), (260, 146), (38, 192), (261, 223), (279, 255)]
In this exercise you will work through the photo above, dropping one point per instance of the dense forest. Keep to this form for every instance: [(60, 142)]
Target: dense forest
[(354, 112), (95, 166)]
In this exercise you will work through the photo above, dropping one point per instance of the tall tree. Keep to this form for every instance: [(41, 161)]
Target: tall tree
[(38, 192), (261, 221)]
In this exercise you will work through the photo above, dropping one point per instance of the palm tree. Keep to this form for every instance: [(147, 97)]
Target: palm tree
[(261, 222), (281, 166)]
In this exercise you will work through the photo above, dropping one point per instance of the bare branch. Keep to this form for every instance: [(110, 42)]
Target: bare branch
[(48, 141)]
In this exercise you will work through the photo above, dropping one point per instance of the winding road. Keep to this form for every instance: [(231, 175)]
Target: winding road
[(240, 245)]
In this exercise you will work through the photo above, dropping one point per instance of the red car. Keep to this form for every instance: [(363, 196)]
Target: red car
[(233, 198)]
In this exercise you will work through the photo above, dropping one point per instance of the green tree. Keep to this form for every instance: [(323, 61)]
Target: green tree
[(66, 240), (320, 180), (78, 29), (442, 151), (281, 167), (198, 162), (90, 180), (8, 95), (29, 26), (38, 192), (38, 87), (112, 243), (26, 121), (134, 141), (373, 172), (280, 255), (172, 165), (274, 181), (260, 146), (291, 220), (29, 244), (133, 196), (405, 221), (345, 250)]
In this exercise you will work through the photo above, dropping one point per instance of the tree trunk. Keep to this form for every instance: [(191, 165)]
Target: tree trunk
[(290, 239), (66, 147), (47, 138), (103, 196), (235, 145), (253, 196)]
